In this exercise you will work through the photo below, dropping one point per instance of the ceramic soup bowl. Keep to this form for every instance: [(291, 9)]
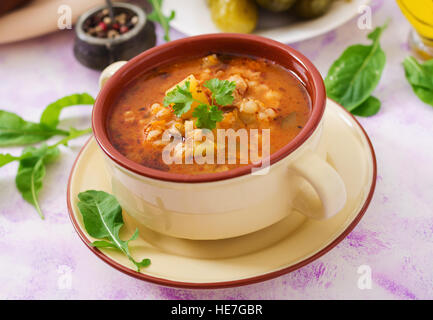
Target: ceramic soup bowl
[(232, 203)]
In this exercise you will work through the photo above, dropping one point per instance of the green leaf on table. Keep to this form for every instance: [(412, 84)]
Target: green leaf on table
[(222, 90), (180, 98), (73, 134), (51, 114), (6, 158), (207, 117), (420, 77), (31, 172), (103, 244), (157, 16), (14, 130), (356, 73), (31, 169), (102, 217), (368, 108)]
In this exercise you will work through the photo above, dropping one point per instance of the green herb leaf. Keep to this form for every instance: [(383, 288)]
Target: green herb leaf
[(31, 169), (420, 77), (102, 216), (222, 90), (31, 172), (207, 117), (8, 158), (368, 108), (181, 98), (103, 244), (73, 134), (51, 114), (159, 17), (356, 73), (14, 130)]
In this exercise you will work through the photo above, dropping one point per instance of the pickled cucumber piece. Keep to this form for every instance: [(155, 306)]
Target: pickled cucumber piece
[(308, 9), (234, 15), (276, 5)]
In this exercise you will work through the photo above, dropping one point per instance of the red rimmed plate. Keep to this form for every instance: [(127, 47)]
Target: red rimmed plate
[(268, 253)]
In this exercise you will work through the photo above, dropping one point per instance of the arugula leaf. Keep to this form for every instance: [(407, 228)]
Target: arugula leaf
[(181, 98), (31, 169), (368, 108), (222, 90), (8, 158), (14, 130), (207, 117), (356, 73), (73, 134), (51, 114), (102, 216), (420, 77), (31, 172), (159, 17)]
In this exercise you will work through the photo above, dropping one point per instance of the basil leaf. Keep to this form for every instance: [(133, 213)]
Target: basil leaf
[(368, 108), (51, 114), (14, 130), (420, 77), (356, 73), (31, 172), (102, 217)]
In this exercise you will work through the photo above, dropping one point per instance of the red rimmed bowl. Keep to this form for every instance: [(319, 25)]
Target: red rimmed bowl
[(235, 202)]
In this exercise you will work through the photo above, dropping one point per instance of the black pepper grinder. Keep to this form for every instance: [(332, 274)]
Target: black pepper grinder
[(111, 33)]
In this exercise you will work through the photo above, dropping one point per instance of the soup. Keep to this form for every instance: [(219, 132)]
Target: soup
[(208, 95)]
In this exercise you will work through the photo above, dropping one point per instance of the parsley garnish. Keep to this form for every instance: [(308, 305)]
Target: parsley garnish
[(221, 90), (181, 99), (207, 117)]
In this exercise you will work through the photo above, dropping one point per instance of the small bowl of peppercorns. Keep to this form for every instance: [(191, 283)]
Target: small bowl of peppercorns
[(103, 38)]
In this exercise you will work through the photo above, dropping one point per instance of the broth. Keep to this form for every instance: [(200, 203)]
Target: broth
[(267, 96)]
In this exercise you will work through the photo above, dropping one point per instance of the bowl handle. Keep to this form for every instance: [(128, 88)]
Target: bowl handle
[(327, 184), (109, 71)]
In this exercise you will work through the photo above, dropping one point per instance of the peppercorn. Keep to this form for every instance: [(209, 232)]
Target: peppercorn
[(101, 25)]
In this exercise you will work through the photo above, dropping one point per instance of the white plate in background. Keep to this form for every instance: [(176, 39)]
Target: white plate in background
[(193, 18)]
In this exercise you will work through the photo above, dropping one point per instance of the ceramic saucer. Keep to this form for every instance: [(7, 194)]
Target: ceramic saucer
[(268, 253)]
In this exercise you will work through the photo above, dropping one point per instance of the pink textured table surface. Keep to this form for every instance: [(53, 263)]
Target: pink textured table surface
[(395, 238)]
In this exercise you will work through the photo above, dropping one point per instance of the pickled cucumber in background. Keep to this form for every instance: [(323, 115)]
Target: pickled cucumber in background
[(308, 9), (241, 16), (234, 15), (276, 5)]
